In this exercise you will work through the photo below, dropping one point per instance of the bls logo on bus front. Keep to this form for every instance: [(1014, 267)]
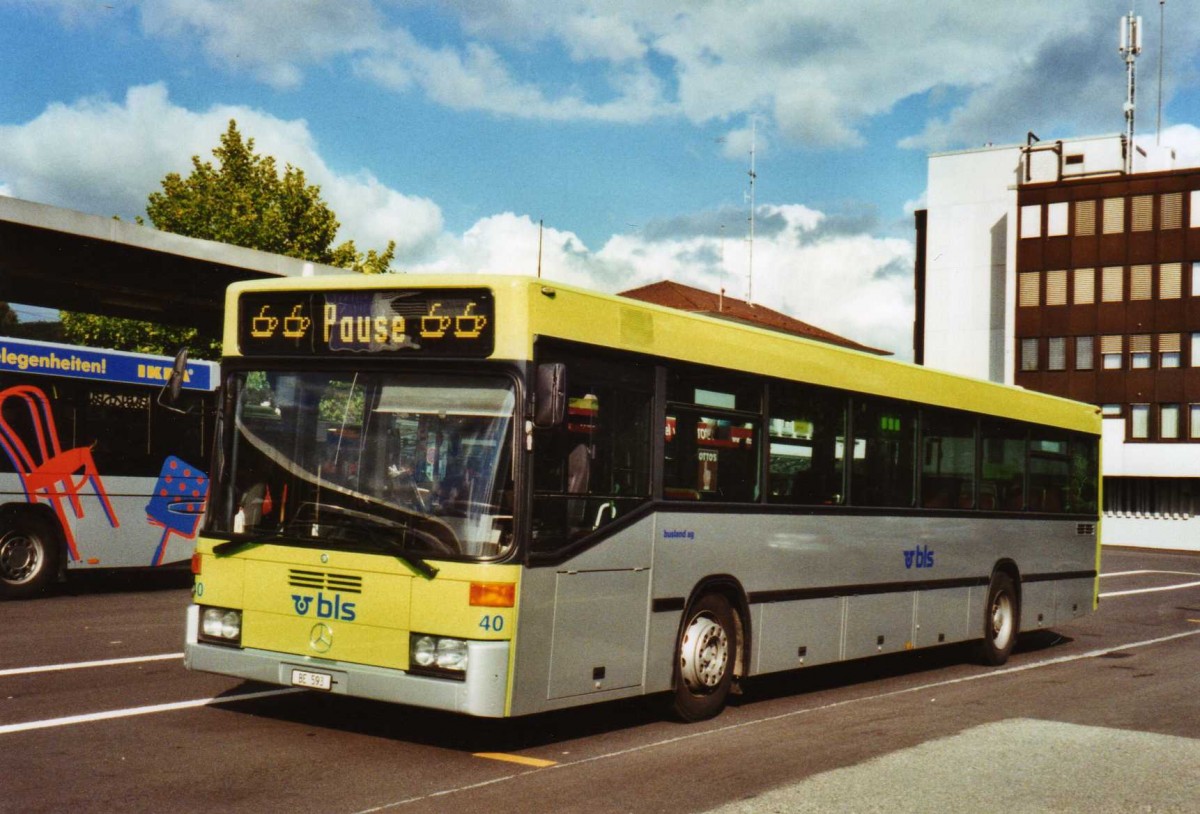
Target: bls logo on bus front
[(333, 608), (919, 557)]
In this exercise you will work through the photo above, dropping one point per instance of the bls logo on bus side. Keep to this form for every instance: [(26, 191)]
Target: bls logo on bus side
[(333, 608), (919, 557)]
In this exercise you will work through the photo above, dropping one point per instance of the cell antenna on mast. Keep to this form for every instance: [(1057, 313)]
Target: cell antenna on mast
[(1129, 48)]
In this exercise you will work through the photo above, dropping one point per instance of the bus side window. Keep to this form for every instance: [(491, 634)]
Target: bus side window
[(595, 466), (882, 469), (807, 445), (948, 460), (712, 436), (1002, 465)]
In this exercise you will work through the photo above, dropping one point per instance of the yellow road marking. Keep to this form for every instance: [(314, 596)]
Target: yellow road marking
[(524, 761)]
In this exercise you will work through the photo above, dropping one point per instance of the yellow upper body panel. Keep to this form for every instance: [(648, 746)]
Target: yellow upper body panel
[(526, 308)]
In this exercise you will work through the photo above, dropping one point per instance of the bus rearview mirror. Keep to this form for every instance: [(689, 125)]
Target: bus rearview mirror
[(169, 396), (550, 397)]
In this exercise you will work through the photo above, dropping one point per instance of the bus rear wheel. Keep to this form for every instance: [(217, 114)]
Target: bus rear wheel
[(1001, 622), (705, 659), (28, 558)]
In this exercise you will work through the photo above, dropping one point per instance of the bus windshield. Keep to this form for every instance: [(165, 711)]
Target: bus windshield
[(393, 462)]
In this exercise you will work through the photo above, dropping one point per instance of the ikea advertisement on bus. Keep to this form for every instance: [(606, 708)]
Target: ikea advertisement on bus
[(29, 356)]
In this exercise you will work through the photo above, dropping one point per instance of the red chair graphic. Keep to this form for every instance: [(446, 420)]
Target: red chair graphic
[(47, 471)]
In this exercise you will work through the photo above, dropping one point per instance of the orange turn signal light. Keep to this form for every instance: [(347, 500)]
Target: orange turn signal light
[(196, 564), (493, 594)]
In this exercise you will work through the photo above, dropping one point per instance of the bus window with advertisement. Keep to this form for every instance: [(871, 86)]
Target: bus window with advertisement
[(95, 471), (498, 497)]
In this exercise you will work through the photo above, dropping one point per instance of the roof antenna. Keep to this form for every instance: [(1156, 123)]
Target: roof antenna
[(1129, 48), (539, 248), (753, 175), (1162, 47)]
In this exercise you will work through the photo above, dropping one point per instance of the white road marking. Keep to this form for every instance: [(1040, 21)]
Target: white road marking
[(1147, 571), (81, 665), (1178, 587), (112, 714), (795, 713)]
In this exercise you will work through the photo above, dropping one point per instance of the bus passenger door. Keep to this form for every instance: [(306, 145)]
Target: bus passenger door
[(599, 631)]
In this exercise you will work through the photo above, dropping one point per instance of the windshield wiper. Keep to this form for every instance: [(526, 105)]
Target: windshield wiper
[(371, 532)]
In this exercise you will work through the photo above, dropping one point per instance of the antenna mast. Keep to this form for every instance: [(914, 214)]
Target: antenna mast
[(1162, 46), (753, 175), (1130, 47)]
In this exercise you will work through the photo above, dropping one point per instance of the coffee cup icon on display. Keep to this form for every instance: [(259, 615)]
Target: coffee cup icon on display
[(433, 324), (263, 326), (295, 326), (468, 325)]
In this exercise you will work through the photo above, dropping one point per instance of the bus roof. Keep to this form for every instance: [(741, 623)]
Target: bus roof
[(528, 308)]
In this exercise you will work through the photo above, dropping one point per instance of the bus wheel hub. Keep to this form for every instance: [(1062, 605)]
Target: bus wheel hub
[(703, 654)]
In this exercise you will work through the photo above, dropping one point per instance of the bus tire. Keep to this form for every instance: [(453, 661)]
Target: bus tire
[(1001, 620), (705, 657), (28, 557)]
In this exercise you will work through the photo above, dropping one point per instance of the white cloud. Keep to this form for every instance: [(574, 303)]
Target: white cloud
[(852, 284), (819, 71), (271, 39), (1184, 139), (105, 157)]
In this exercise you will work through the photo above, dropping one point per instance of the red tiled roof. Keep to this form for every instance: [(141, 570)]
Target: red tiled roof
[(686, 298)]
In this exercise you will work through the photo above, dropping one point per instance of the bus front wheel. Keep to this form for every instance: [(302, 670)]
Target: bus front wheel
[(1001, 622), (705, 659), (28, 557)]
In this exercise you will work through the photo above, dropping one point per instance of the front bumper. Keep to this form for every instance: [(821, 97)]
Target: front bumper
[(483, 693)]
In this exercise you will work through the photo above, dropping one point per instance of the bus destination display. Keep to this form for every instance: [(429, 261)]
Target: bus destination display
[(442, 322)]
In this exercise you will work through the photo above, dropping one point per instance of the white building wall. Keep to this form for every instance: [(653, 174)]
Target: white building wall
[(971, 223)]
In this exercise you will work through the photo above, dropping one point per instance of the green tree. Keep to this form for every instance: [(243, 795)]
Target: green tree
[(243, 200), (8, 318)]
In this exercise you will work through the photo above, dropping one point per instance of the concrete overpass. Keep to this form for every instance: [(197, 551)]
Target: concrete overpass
[(59, 258)]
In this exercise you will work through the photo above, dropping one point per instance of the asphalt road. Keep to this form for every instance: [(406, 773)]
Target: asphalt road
[(98, 714)]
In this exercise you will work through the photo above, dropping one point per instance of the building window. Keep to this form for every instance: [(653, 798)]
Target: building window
[(1056, 288), (1194, 420), (1195, 350), (1170, 285), (1169, 346), (1168, 421), (1139, 416), (1139, 351), (1056, 219), (1111, 410), (1196, 278), (1141, 213), (1031, 220), (1110, 352), (1085, 286), (1029, 285), (1085, 218), (1056, 352), (1029, 354), (1114, 216), (1112, 281), (1195, 208), (1084, 352), (1140, 282), (1171, 214)]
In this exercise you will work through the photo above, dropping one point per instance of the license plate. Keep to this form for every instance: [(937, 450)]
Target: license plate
[(312, 681)]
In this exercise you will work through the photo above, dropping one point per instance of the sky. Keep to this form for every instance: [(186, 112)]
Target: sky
[(621, 131)]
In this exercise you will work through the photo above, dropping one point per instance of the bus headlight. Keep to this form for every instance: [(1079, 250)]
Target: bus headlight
[(221, 626), (438, 655)]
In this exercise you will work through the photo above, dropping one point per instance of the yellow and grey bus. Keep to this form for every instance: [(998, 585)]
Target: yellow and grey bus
[(499, 496)]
